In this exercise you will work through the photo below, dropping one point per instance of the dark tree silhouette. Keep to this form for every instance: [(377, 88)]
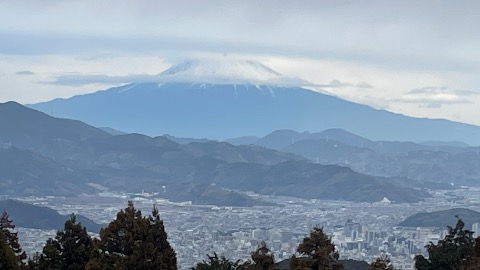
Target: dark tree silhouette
[(381, 263), (8, 261), (262, 258), (132, 241), (318, 252), (453, 252), (11, 237), (218, 263), (70, 250)]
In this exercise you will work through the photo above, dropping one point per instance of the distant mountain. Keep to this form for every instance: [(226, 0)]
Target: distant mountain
[(442, 219), (210, 194), (112, 131), (245, 140), (38, 217), (440, 143), (426, 164), (133, 162), (314, 181), (282, 139), (26, 173), (238, 98), (25, 127), (184, 140)]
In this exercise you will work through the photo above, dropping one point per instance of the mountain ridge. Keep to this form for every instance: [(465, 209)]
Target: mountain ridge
[(40, 217), (442, 219), (190, 110), (158, 164)]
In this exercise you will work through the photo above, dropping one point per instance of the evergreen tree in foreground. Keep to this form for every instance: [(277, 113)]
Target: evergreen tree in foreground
[(70, 250), (11, 237), (8, 261), (318, 252), (132, 242)]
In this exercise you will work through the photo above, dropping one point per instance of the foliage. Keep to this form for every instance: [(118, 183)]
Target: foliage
[(262, 258), (8, 261), (218, 263), (33, 262), (453, 252), (132, 241), (70, 250), (381, 263), (11, 237), (318, 252)]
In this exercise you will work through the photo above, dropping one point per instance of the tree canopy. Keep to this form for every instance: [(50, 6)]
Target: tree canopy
[(262, 258), (318, 252), (455, 251), (132, 241), (381, 263), (71, 248), (216, 262), (11, 237), (8, 261)]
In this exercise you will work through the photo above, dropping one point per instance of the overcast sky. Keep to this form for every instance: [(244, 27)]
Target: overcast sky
[(420, 58)]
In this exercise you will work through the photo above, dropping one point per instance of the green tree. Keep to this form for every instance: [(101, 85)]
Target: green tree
[(8, 261), (70, 250), (318, 252), (381, 263), (262, 258), (452, 252), (11, 237), (132, 241), (218, 263), (33, 262)]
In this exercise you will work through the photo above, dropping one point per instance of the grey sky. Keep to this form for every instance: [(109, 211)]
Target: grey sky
[(409, 44)]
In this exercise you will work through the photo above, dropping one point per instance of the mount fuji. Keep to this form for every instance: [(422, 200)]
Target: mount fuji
[(226, 99)]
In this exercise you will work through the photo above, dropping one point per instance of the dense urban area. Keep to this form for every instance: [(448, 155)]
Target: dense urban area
[(360, 231)]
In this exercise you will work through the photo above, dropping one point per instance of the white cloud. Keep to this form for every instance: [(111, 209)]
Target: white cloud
[(407, 34), (436, 97), (370, 52)]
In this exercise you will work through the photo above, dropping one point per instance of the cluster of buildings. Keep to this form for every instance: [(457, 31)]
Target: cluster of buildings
[(360, 231)]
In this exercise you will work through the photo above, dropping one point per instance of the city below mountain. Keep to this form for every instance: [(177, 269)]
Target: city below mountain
[(243, 98)]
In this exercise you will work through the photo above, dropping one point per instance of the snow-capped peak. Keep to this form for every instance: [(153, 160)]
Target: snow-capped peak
[(226, 71)]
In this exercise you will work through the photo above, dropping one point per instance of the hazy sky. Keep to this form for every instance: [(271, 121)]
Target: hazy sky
[(420, 58)]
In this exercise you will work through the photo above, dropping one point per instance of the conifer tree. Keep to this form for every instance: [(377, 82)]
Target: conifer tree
[(33, 262), (318, 252), (70, 250), (8, 260), (132, 241), (262, 258), (11, 237)]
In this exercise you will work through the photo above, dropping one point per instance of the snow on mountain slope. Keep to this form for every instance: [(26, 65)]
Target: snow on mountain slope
[(226, 71)]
